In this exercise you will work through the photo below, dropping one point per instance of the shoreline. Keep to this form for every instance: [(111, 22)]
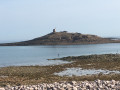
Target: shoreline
[(32, 75), (83, 43)]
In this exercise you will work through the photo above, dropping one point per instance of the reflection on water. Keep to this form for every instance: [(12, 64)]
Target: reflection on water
[(38, 55), (81, 72)]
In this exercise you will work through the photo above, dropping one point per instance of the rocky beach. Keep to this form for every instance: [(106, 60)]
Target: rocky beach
[(73, 85), (44, 77), (59, 45)]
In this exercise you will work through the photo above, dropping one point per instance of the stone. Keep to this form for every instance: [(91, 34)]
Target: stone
[(2, 88), (73, 82), (73, 85)]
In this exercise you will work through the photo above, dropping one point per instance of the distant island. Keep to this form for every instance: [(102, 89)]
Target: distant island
[(64, 38)]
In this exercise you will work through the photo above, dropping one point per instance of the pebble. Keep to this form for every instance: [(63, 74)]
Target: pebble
[(73, 85), (2, 88)]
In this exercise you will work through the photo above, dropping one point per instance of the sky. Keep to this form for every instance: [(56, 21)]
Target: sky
[(27, 19)]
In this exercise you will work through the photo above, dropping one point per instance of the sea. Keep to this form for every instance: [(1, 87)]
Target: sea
[(39, 55)]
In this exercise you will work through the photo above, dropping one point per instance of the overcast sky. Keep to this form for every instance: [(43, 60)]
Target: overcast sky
[(27, 19)]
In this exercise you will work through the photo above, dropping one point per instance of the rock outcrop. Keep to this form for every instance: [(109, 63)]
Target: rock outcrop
[(62, 38)]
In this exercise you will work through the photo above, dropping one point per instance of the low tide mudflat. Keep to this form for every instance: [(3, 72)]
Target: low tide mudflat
[(19, 75)]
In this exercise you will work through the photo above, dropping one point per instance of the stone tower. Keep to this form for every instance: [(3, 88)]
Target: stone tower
[(54, 30)]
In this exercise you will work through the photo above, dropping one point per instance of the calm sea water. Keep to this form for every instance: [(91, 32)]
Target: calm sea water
[(38, 55)]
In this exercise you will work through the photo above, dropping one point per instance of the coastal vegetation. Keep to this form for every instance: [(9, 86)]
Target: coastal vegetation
[(17, 75)]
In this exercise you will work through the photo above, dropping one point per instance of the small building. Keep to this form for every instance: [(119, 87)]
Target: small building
[(65, 31), (54, 30)]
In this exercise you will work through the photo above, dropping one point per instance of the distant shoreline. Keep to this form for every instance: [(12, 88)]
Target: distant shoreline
[(85, 43), (63, 38)]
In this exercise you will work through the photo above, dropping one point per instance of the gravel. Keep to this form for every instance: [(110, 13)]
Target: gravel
[(73, 85)]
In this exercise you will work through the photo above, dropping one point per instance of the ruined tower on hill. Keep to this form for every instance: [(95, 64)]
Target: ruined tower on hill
[(54, 30)]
